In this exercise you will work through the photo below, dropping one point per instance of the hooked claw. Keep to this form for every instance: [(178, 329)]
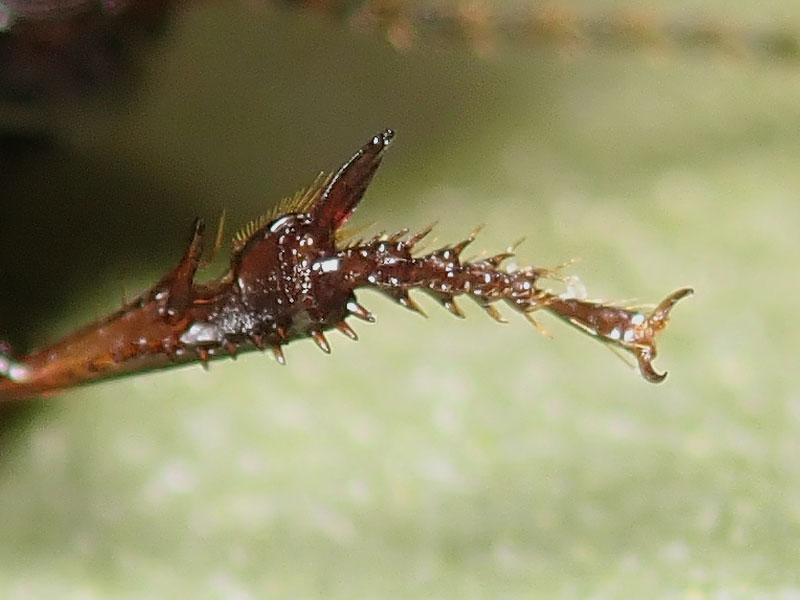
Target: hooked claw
[(645, 349), (645, 356)]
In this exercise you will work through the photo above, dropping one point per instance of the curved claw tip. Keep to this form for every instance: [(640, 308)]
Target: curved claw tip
[(658, 319), (645, 359)]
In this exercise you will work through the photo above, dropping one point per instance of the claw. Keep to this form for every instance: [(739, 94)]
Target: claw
[(622, 328), (645, 351), (644, 357)]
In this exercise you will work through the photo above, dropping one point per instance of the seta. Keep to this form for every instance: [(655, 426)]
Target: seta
[(293, 275)]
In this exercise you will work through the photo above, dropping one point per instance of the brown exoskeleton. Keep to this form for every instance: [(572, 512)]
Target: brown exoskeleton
[(292, 277)]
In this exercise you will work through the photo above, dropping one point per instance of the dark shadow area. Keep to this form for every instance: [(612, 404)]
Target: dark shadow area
[(67, 225), (68, 220), (65, 216), (49, 50)]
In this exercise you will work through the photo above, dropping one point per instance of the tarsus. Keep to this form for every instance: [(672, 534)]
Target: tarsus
[(387, 263)]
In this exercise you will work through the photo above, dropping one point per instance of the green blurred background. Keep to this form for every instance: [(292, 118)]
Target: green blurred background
[(435, 458)]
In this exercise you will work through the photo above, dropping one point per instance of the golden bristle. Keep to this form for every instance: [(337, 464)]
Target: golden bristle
[(299, 202)]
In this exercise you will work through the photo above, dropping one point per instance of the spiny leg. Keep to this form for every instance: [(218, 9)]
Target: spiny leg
[(390, 267)]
